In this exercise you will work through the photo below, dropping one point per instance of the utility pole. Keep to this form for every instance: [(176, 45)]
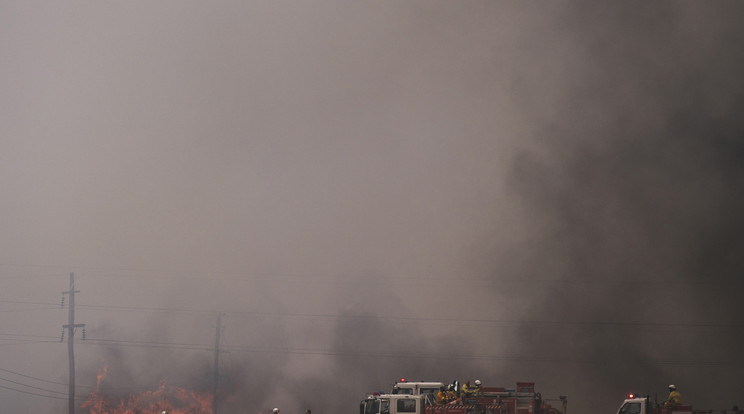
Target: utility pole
[(216, 379), (71, 325)]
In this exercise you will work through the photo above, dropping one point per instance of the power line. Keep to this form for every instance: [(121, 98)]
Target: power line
[(35, 378), (354, 353), (15, 339), (31, 386), (21, 342), (166, 273), (23, 310), (28, 335), (87, 388), (25, 302), (508, 358), (33, 393), (62, 395), (479, 321), (146, 344)]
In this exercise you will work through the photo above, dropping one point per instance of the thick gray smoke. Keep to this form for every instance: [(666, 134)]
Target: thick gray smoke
[(366, 191), (636, 192)]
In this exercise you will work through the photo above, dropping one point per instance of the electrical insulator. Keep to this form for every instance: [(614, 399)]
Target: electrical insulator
[(83, 334), (62, 337), (62, 303)]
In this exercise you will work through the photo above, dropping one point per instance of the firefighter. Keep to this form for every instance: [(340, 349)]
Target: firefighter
[(675, 398), (441, 396), (451, 396), (476, 389), (466, 391)]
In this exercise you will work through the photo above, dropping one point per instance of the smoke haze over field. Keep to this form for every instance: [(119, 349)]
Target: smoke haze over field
[(509, 191)]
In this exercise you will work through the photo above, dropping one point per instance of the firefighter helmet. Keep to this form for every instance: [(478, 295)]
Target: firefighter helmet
[(477, 382), (672, 387), (275, 411)]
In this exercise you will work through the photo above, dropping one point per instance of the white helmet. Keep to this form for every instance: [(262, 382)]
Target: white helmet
[(477, 382), (672, 387), (276, 410)]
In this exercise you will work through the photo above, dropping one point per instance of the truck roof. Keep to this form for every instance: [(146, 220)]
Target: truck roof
[(417, 387), (420, 384)]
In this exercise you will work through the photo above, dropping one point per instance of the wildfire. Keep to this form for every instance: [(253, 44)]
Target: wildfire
[(173, 400), (100, 377)]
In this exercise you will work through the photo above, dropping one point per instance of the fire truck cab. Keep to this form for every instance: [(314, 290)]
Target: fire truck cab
[(393, 404), (635, 405), (643, 405)]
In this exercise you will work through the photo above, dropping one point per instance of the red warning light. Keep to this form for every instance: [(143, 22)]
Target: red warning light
[(402, 380), (631, 396)]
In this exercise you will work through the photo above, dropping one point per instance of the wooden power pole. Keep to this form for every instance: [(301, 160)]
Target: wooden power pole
[(71, 325), (216, 379)]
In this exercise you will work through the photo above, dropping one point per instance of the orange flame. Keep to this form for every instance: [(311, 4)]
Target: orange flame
[(100, 377), (173, 400)]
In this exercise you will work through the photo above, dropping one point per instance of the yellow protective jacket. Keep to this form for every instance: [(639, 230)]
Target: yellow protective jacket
[(675, 399), (466, 391)]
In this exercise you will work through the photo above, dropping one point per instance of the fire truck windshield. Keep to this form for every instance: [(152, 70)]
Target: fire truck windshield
[(630, 408), (381, 406)]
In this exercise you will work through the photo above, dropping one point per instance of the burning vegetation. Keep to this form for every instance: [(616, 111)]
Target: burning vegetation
[(173, 400)]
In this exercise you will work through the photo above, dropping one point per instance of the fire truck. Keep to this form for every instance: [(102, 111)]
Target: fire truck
[(643, 405), (490, 400)]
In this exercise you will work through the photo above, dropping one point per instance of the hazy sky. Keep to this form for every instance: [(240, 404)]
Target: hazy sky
[(508, 191)]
